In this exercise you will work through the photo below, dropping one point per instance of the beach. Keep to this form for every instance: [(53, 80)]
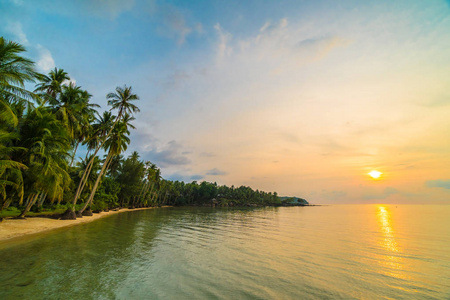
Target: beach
[(15, 228)]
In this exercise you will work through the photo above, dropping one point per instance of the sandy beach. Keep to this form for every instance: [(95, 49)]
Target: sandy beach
[(15, 228)]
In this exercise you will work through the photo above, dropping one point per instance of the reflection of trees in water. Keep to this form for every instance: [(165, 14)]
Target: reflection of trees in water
[(83, 261), (95, 260)]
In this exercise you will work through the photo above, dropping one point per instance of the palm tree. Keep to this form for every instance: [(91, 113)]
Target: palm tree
[(86, 115), (116, 143), (51, 84), (47, 144), (82, 165), (10, 170), (98, 131), (121, 100), (15, 70)]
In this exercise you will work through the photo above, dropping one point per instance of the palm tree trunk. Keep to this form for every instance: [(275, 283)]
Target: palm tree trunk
[(28, 199), (155, 197), (165, 197), (146, 191), (6, 204), (74, 152), (29, 205), (147, 187), (144, 186), (86, 172), (94, 189), (42, 199)]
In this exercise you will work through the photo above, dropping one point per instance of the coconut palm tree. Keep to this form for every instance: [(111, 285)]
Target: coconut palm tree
[(121, 100), (82, 165), (47, 144), (10, 170), (98, 131), (116, 143), (15, 71), (51, 84), (86, 116)]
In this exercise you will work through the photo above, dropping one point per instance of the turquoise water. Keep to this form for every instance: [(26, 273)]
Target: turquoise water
[(326, 252)]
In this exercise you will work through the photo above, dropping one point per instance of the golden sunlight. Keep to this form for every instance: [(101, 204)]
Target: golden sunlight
[(375, 174)]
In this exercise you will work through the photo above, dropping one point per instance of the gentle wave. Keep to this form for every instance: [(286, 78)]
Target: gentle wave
[(330, 252)]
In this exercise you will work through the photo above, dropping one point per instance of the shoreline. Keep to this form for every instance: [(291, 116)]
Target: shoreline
[(12, 230), (16, 229)]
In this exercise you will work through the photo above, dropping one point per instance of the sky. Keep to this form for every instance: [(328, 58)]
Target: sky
[(299, 97)]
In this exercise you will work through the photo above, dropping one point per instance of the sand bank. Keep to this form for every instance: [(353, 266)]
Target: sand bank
[(15, 228)]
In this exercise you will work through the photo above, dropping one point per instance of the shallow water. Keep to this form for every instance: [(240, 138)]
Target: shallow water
[(326, 252)]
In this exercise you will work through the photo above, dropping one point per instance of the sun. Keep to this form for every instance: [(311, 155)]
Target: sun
[(375, 174)]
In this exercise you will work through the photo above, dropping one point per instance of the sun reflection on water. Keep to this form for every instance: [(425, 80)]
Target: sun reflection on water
[(391, 260), (388, 242)]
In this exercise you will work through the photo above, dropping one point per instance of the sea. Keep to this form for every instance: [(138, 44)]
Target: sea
[(317, 252)]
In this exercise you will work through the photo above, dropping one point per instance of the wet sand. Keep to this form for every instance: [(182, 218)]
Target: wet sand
[(14, 228)]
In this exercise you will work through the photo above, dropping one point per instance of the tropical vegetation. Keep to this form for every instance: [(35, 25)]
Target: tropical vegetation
[(41, 130)]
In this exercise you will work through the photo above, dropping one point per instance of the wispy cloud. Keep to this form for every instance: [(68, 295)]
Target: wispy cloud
[(15, 28), (169, 155), (223, 47), (216, 172), (439, 183), (45, 62), (185, 177), (172, 22)]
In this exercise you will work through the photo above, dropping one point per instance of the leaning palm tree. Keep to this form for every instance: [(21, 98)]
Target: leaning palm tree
[(122, 101), (85, 117), (97, 132), (116, 143)]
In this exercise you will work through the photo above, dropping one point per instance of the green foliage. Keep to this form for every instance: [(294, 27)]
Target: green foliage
[(39, 135), (107, 194)]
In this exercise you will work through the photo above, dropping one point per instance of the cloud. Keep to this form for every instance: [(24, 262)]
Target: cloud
[(184, 177), (45, 61), (16, 29), (332, 195), (440, 183), (223, 48), (172, 21), (207, 154), (216, 171), (321, 46), (175, 22), (171, 154)]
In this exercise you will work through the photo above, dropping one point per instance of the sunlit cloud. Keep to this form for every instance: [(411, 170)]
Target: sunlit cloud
[(304, 100), (45, 62)]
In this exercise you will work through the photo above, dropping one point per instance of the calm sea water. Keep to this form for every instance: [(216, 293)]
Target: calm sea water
[(326, 252)]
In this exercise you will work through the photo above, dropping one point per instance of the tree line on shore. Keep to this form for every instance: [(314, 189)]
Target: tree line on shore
[(41, 131)]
